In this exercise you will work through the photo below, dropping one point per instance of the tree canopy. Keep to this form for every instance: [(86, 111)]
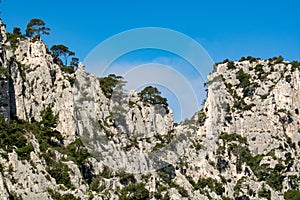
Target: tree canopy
[(48, 118), (17, 31), (61, 50), (74, 62), (152, 95), (36, 27), (110, 83), (15, 37), (135, 191)]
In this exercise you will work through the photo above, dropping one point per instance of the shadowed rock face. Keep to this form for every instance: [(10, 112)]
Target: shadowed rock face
[(4, 84), (244, 141), (4, 99)]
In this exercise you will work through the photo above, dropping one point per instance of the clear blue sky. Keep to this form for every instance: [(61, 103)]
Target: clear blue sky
[(226, 29)]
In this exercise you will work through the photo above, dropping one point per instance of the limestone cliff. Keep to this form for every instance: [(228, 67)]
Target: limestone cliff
[(62, 137)]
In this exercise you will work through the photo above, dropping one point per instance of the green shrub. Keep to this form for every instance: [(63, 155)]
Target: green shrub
[(111, 83), (53, 167), (134, 191), (68, 69), (57, 196), (219, 189), (77, 152), (126, 178), (259, 68), (59, 172), (14, 196), (24, 151), (230, 65), (198, 146), (106, 172), (12, 137), (166, 197), (278, 59), (182, 191), (201, 118), (14, 37), (232, 137), (264, 193), (295, 65), (238, 186), (292, 195), (263, 172), (294, 181), (241, 105), (167, 173), (210, 183), (275, 179), (48, 118), (243, 78), (242, 59), (4, 72), (71, 81), (221, 150), (252, 59), (152, 95), (96, 186)]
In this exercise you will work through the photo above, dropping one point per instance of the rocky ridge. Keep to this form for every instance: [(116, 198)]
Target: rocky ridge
[(243, 144)]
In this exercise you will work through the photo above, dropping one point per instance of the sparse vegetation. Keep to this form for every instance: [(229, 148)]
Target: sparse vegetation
[(106, 172), (264, 193), (295, 65), (152, 95), (13, 137), (292, 195), (61, 50), (201, 117), (167, 173), (41, 138), (230, 65), (4, 72), (96, 185), (58, 196), (14, 37), (36, 27), (244, 78), (58, 170), (111, 83), (210, 183), (134, 191), (126, 178), (48, 118), (273, 177), (232, 137)]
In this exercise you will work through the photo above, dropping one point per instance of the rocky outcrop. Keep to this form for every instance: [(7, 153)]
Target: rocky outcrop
[(111, 125), (83, 111), (4, 79), (252, 127)]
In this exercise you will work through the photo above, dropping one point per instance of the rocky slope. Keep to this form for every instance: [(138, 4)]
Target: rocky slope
[(67, 139)]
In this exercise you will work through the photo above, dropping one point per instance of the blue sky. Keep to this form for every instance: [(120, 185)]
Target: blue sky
[(225, 29)]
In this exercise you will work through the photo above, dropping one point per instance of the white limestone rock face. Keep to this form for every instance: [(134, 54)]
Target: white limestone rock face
[(265, 111), (39, 82), (109, 125), (3, 190)]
